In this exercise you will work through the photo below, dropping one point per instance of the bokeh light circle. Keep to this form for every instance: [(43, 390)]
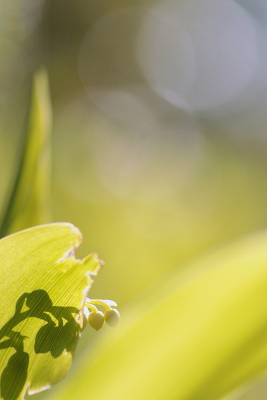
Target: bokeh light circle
[(205, 51)]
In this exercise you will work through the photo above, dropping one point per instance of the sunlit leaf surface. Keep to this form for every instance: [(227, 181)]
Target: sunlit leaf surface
[(28, 202), (200, 333), (43, 289)]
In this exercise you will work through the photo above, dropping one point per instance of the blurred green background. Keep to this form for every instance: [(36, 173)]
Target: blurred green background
[(159, 139)]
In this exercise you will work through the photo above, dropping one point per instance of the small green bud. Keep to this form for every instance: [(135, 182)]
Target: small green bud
[(96, 320), (112, 317)]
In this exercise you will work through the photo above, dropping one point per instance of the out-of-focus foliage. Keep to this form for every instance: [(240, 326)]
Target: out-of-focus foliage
[(28, 203), (159, 148)]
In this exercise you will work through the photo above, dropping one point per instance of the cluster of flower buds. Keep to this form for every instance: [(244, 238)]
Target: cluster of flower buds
[(96, 318)]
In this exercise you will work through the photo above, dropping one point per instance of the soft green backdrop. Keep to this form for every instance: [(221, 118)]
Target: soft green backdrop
[(159, 135)]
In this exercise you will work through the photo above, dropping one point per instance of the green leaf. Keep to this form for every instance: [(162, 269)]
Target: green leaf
[(28, 202), (43, 290), (200, 333)]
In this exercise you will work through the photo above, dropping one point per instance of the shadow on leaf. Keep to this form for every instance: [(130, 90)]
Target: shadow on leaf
[(59, 334), (14, 376)]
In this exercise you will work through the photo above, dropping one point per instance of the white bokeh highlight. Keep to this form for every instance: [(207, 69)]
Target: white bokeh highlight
[(198, 52)]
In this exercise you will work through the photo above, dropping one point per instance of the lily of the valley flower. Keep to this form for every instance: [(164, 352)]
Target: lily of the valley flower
[(96, 318)]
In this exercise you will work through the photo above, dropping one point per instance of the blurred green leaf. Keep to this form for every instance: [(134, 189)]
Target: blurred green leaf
[(28, 203), (44, 289), (200, 333)]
